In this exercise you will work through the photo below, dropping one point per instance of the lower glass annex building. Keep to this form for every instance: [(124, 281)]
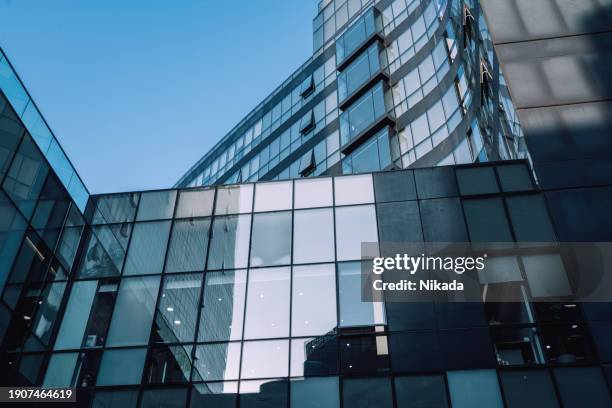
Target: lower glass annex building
[(241, 286)]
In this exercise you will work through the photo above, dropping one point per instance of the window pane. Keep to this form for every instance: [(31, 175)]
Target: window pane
[(443, 220), (264, 394), (273, 196), (367, 392), (474, 388), (435, 182), (314, 300), (156, 205), (230, 242), (195, 203), (395, 186), (188, 246), (354, 189), (121, 367), (422, 391), (60, 370), (271, 239), (26, 176), (486, 220), (178, 309), (131, 324), (354, 226), (147, 248), (265, 359), (315, 192), (582, 387), (114, 208), (105, 399), (105, 251), (168, 364), (313, 236), (223, 306), (218, 361), (530, 218), (234, 199), (354, 312), (315, 393), (314, 356), (514, 177), (477, 180), (528, 389), (76, 315), (218, 395), (167, 398), (267, 313)]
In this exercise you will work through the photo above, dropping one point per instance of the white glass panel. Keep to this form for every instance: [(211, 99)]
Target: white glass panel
[(354, 189)]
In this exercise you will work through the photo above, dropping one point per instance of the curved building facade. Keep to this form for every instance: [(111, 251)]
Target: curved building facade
[(390, 85)]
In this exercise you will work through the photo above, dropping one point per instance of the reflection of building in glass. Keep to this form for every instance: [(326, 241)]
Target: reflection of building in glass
[(249, 294)]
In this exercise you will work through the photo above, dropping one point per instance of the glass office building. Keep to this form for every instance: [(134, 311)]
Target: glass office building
[(241, 286)]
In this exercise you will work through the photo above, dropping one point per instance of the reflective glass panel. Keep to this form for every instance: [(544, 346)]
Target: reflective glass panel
[(229, 247), (156, 205), (188, 245), (265, 359), (354, 312), (316, 192), (274, 196), (195, 203), (354, 225), (178, 309), (313, 300), (234, 199), (271, 239), (121, 367), (313, 236), (354, 189), (267, 313), (147, 248), (217, 361)]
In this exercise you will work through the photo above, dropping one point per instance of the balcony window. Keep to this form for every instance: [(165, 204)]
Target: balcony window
[(307, 123), (359, 72), (356, 35), (362, 113), (373, 155), (307, 87)]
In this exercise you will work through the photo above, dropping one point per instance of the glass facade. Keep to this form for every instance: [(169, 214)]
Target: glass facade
[(242, 286), (421, 68)]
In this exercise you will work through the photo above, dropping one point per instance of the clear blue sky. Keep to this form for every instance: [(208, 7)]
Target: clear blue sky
[(137, 91)]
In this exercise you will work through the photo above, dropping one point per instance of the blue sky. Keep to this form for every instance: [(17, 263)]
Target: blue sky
[(137, 91)]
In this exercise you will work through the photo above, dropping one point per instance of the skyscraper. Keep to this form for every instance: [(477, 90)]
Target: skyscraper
[(242, 285)]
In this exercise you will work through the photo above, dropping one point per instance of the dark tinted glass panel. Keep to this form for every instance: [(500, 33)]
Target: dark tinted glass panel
[(398, 222), (474, 388), (364, 354), (12, 228), (582, 387), (435, 182), (530, 218), (477, 180), (167, 398), (188, 245), (410, 316), (50, 212), (486, 220), (421, 392), (71, 237), (443, 220), (314, 356), (169, 365), (26, 176), (394, 186), (10, 135), (367, 392), (217, 395), (514, 177), (315, 393), (528, 389), (466, 349), (105, 399), (121, 367), (264, 394), (415, 352)]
